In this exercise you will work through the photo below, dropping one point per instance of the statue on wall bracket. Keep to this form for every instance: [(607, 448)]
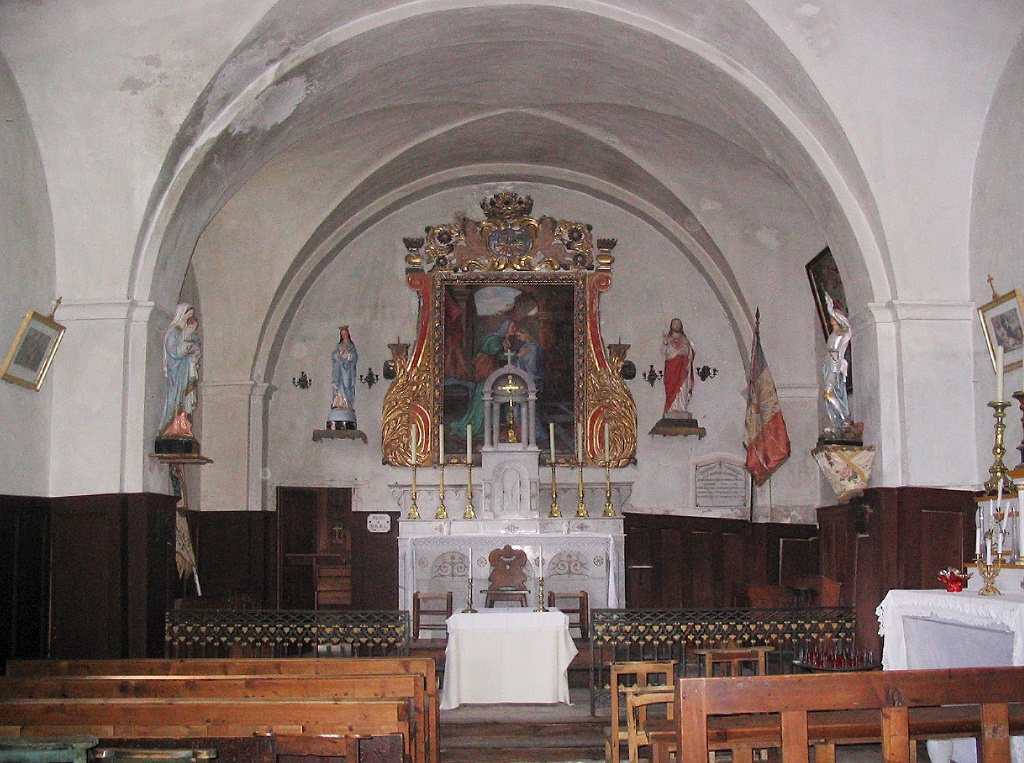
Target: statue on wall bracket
[(678, 377), (509, 291)]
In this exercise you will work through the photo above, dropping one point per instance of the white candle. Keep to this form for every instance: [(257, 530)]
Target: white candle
[(999, 373), (469, 443), (977, 537), (470, 563), (1001, 542), (440, 443), (579, 443), (988, 550), (606, 446), (412, 442), (541, 561), (551, 437)]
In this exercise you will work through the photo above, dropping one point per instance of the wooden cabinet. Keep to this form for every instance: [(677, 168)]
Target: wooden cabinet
[(327, 558), (893, 538)]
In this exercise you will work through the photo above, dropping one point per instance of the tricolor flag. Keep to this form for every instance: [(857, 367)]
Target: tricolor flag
[(766, 440)]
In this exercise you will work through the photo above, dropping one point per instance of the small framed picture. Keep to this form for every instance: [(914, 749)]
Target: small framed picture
[(1003, 322), (825, 279), (32, 351)]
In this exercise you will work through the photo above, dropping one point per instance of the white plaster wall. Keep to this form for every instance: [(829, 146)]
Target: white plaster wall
[(26, 283)]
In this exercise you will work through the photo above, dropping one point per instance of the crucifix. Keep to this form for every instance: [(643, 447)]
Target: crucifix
[(511, 386)]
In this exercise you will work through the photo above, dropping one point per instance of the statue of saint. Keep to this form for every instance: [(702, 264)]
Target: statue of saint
[(678, 374), (182, 352), (834, 370), (343, 382)]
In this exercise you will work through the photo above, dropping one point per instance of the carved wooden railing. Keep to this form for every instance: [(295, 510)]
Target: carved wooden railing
[(286, 633), (621, 635)]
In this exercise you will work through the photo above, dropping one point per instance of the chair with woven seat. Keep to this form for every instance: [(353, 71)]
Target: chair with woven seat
[(640, 675), (639, 702), (508, 577), (433, 616), (575, 605)]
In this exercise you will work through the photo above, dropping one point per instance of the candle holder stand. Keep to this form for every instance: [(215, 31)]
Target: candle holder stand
[(581, 506), (998, 472), (609, 510), (555, 513), (989, 572), (470, 512), (469, 593), (540, 595), (414, 510), (442, 512)]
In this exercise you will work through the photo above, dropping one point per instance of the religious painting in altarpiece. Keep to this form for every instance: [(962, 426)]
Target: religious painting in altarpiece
[(509, 290)]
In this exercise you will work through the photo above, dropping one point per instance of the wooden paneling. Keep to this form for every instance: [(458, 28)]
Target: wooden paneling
[(679, 562), (234, 550), (24, 597), (893, 538)]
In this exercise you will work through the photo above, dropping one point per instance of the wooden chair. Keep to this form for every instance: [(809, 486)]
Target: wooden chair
[(508, 577), (733, 659), (638, 702), (577, 604), (769, 596), (817, 591), (636, 674), (442, 608)]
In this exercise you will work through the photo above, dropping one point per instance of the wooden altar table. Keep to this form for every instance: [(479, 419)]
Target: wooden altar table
[(939, 629), (498, 657)]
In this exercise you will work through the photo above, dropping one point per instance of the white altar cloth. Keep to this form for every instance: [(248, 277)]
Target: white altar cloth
[(497, 657), (938, 629)]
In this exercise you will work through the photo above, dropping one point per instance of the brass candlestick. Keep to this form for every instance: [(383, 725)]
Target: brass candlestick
[(469, 594), (540, 595), (989, 571), (555, 512), (998, 472), (470, 512), (581, 507), (442, 512), (414, 510), (609, 510)]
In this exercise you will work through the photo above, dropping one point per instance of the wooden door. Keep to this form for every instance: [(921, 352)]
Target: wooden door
[(314, 547)]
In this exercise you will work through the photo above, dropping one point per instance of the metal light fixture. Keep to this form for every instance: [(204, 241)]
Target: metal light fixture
[(303, 382), (706, 372), (369, 378), (652, 376)]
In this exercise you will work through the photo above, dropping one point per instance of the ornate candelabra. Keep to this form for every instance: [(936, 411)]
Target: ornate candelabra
[(999, 474), (470, 512), (581, 507), (609, 510), (442, 512), (989, 570), (555, 512)]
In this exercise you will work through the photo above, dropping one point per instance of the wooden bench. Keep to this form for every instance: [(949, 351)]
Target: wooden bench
[(795, 712), (379, 680)]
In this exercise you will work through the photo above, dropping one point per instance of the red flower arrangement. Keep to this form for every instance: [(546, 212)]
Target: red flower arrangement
[(954, 579)]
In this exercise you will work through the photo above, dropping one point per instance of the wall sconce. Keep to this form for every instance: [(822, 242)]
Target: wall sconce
[(706, 372), (303, 382), (652, 376), (369, 378)]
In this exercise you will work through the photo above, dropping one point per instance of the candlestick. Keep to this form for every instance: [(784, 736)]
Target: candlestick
[(998, 471), (442, 512), (555, 512), (469, 589), (581, 506), (989, 569), (999, 373), (470, 512), (609, 509)]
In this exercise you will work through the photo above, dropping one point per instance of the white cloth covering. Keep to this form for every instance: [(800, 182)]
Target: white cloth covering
[(498, 657), (939, 629)]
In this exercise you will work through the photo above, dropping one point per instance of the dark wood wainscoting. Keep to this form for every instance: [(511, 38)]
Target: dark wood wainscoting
[(675, 562)]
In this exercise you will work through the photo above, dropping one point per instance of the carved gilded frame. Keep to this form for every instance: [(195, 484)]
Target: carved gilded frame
[(509, 249)]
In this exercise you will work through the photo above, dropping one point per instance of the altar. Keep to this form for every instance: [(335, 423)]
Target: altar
[(939, 629)]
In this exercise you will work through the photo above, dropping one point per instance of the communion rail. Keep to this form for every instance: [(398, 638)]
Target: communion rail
[(624, 635), (286, 633)]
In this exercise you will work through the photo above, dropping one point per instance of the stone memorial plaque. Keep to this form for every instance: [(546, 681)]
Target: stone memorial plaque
[(721, 485)]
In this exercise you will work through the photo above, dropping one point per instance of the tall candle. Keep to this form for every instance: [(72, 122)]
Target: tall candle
[(470, 562), (606, 447), (412, 442), (579, 443), (999, 373), (469, 443), (440, 443), (541, 561), (551, 438)]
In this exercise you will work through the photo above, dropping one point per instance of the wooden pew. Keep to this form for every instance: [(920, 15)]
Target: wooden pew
[(843, 708), (404, 686), (425, 705)]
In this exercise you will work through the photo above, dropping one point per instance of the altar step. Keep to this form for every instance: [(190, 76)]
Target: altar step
[(512, 740)]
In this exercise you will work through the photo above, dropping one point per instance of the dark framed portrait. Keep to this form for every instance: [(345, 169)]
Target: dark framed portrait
[(32, 351), (1003, 322), (823, 273)]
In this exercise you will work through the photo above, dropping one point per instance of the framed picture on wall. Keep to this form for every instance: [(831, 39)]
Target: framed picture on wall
[(825, 279), (1003, 322), (34, 347)]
